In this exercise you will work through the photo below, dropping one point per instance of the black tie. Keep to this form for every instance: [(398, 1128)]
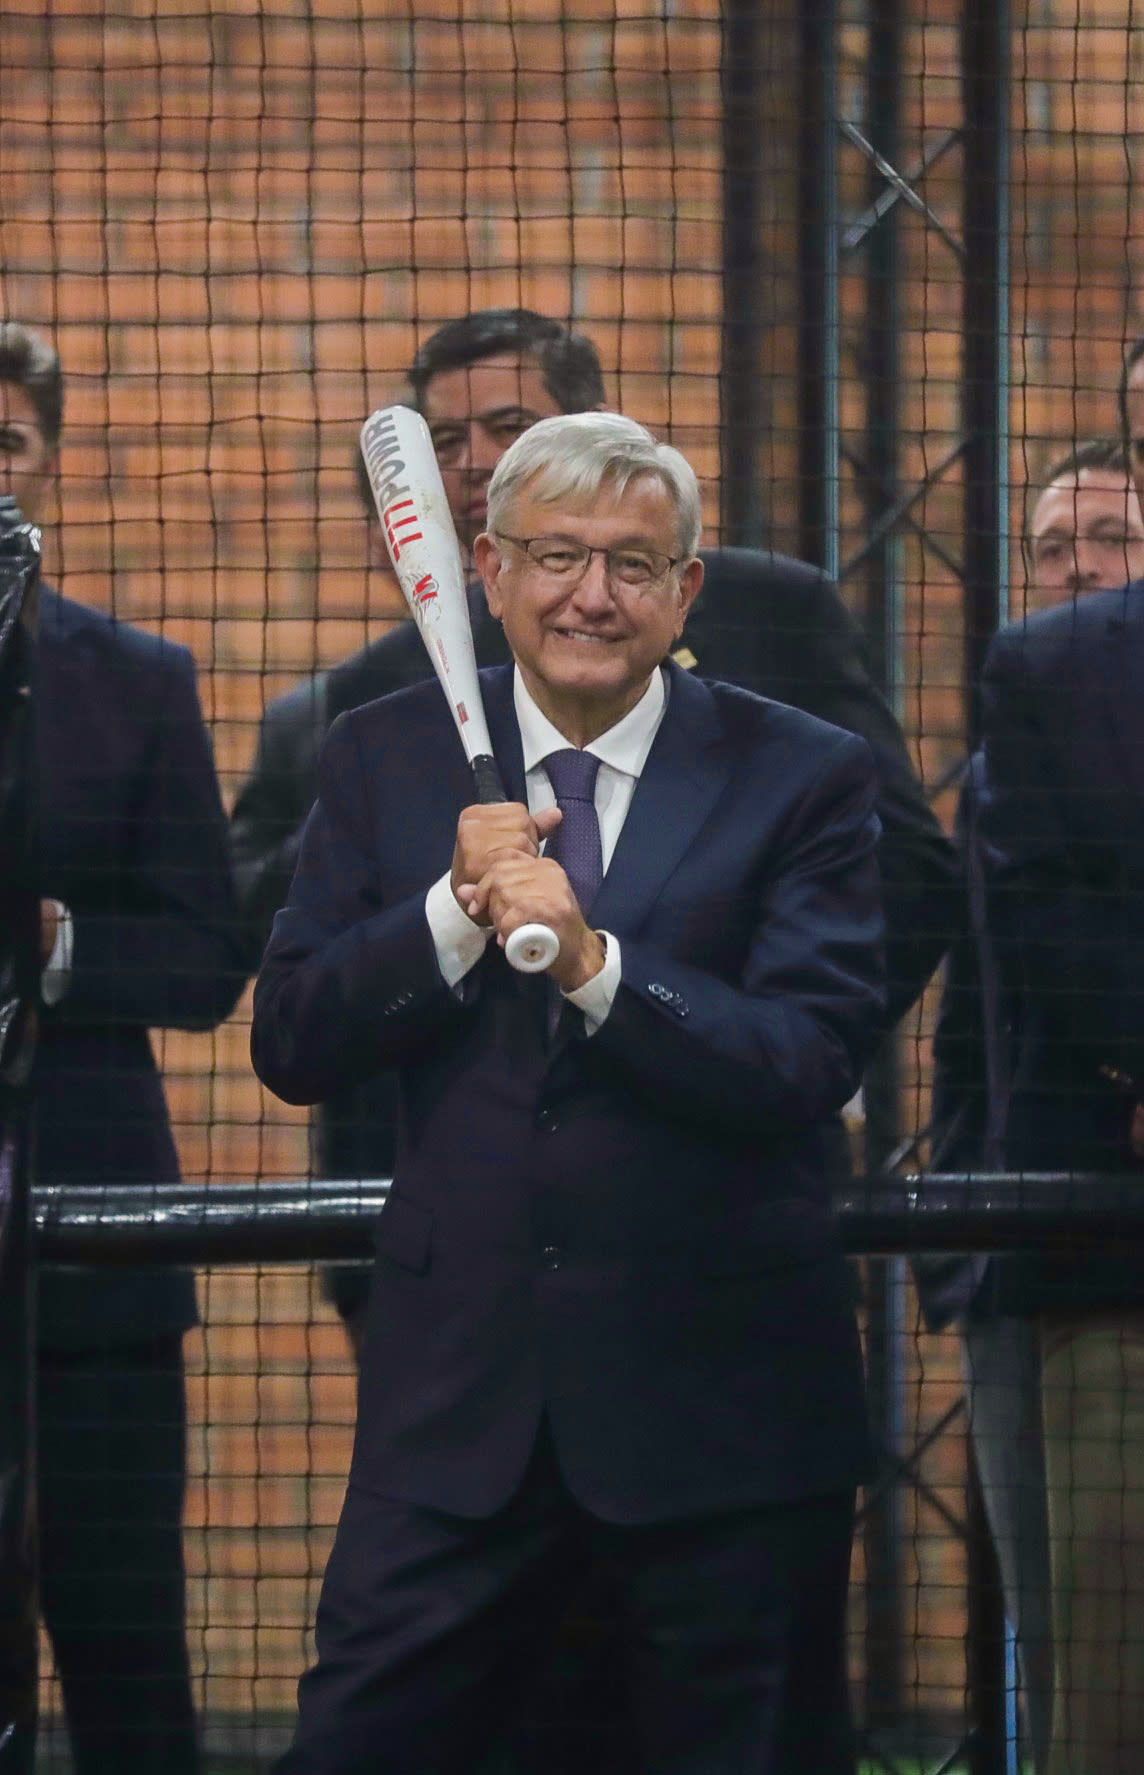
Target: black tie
[(575, 844)]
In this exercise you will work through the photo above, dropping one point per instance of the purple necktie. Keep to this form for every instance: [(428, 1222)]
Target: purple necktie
[(575, 844)]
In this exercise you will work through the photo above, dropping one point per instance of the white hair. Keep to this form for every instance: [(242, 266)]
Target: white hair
[(573, 455)]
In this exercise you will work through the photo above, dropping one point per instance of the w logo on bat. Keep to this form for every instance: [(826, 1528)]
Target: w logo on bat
[(397, 529), (424, 596)]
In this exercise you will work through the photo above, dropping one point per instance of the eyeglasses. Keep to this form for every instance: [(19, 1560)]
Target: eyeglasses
[(566, 561)]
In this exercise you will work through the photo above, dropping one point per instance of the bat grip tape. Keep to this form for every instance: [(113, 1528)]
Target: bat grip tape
[(487, 778)]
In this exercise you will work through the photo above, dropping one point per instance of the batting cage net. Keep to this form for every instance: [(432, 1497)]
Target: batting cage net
[(872, 267)]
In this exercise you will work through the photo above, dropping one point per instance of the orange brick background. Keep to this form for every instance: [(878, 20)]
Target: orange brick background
[(236, 221)]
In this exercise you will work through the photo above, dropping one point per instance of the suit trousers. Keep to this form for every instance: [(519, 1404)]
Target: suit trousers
[(1002, 1362), (112, 1444), (1093, 1399), (429, 1626)]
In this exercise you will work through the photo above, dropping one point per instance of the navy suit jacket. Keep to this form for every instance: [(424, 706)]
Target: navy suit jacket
[(1064, 741), (762, 621), (632, 1231), (133, 841)]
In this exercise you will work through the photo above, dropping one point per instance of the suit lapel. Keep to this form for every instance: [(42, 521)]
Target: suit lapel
[(685, 773), (496, 689), (687, 770)]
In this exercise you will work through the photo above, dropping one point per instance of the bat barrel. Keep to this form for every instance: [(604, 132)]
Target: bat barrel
[(413, 511)]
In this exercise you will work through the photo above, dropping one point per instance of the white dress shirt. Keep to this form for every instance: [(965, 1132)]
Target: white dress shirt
[(622, 752)]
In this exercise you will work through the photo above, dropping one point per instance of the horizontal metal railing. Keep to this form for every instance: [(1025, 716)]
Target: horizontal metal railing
[(306, 1220)]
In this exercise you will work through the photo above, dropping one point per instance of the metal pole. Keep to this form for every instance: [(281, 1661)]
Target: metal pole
[(883, 1526), (19, 991), (818, 320), (985, 35), (985, 30), (746, 311)]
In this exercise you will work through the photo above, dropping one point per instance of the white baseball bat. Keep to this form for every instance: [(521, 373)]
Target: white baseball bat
[(418, 529)]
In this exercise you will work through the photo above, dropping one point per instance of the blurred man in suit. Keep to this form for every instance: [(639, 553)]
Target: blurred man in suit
[(1062, 819), (1083, 532), (139, 929), (609, 1309)]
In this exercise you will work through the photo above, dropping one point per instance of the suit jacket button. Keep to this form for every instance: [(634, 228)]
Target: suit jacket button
[(553, 1257), (547, 1122)]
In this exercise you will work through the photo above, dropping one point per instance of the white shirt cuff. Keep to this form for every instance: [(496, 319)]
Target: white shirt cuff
[(459, 942), (56, 976), (596, 996)]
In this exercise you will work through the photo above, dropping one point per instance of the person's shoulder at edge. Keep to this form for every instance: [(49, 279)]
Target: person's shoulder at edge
[(63, 620), (1050, 634), (157, 677)]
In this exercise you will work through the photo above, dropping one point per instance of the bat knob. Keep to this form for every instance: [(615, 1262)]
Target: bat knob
[(532, 948)]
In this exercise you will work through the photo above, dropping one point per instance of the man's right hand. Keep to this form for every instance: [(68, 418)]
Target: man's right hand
[(486, 832)]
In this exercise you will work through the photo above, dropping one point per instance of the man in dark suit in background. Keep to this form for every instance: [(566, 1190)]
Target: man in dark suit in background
[(139, 929), (761, 620), (1083, 533), (610, 1311), (1064, 823)]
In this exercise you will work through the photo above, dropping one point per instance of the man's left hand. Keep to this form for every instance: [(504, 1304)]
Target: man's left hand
[(520, 889)]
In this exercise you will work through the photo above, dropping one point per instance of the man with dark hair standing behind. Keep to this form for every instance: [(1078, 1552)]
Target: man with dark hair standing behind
[(1064, 825), (138, 930)]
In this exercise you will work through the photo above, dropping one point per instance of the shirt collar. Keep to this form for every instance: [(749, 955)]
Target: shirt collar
[(623, 747)]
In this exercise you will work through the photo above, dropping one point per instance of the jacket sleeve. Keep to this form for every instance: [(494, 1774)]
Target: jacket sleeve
[(266, 826), (348, 985), (788, 1040), (161, 947)]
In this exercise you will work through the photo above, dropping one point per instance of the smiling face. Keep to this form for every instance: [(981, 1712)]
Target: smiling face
[(27, 462), (474, 414), (1086, 535), (587, 650)]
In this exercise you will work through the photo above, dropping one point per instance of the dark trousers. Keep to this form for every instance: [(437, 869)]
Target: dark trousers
[(429, 1625), (112, 1448)]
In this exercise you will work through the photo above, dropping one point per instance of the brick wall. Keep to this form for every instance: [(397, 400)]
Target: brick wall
[(237, 222)]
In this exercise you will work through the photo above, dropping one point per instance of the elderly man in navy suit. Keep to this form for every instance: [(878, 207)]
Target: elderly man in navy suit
[(763, 621), (609, 1316)]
